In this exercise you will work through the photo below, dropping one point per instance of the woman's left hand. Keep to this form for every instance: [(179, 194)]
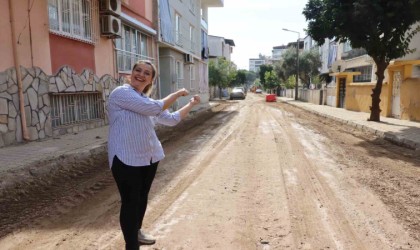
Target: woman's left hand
[(195, 100)]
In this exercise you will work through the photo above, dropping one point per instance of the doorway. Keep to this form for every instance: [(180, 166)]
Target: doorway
[(341, 92)]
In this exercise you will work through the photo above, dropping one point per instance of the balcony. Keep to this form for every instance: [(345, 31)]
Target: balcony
[(184, 42), (353, 54), (213, 3)]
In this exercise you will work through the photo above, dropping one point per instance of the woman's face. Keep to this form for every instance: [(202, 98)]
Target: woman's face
[(141, 76)]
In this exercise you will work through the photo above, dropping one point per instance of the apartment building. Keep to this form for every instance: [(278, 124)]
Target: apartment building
[(183, 47), (71, 54), (220, 47), (255, 63)]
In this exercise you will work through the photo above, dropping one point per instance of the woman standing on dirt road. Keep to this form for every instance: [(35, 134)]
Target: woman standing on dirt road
[(134, 151)]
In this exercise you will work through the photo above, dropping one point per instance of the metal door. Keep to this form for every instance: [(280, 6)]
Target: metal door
[(342, 92), (396, 112)]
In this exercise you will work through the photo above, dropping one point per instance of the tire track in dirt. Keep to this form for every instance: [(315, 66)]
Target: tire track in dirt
[(317, 219)]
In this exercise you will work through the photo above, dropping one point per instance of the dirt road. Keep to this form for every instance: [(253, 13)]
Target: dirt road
[(252, 175)]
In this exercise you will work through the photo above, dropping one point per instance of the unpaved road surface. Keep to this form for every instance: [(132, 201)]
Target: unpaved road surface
[(250, 175)]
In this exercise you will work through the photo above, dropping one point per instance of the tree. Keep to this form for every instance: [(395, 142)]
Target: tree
[(288, 64), (218, 75), (309, 64), (280, 71), (383, 28), (250, 77), (264, 68), (290, 82), (241, 77), (271, 80)]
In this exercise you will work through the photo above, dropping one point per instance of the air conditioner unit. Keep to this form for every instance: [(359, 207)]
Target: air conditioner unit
[(110, 26), (112, 7), (189, 59)]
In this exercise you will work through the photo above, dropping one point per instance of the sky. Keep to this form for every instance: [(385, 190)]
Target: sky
[(256, 26)]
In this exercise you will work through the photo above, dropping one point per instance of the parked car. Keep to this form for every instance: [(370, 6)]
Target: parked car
[(237, 93), (258, 91)]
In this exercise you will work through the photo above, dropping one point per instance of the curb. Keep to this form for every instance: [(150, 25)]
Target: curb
[(389, 136)]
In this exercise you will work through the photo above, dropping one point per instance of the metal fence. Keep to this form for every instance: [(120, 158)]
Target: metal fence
[(71, 108)]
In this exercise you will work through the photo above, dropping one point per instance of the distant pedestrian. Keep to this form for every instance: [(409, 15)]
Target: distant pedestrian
[(134, 151)]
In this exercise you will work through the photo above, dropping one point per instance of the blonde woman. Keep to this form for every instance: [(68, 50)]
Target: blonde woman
[(134, 151)]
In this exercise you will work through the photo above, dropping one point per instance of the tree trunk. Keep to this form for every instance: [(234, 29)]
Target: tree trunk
[(375, 111)]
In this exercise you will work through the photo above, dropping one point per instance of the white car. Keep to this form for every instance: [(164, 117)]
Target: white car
[(237, 93), (258, 91)]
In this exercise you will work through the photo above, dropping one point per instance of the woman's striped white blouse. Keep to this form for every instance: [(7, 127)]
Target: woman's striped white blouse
[(132, 116)]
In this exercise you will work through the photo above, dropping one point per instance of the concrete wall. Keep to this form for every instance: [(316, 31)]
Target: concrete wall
[(358, 97), (216, 46), (37, 89), (105, 60), (410, 99), (314, 96), (331, 96)]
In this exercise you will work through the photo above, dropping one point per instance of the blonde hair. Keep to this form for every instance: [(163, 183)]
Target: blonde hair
[(149, 88)]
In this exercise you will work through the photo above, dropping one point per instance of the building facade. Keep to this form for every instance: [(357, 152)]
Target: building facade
[(219, 47), (58, 66), (277, 52), (255, 64), (183, 47)]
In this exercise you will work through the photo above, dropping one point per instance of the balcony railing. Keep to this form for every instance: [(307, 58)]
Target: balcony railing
[(353, 54), (184, 42)]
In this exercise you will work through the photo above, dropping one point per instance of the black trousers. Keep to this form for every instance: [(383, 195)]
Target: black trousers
[(134, 185)]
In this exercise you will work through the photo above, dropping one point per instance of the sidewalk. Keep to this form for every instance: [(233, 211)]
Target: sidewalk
[(77, 145), (402, 132)]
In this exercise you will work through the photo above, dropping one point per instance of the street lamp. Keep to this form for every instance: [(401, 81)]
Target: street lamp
[(297, 71)]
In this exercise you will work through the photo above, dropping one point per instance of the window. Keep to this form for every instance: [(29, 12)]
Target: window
[(192, 76), (192, 38), (74, 108), (179, 74), (178, 29), (73, 18), (366, 74), (133, 46)]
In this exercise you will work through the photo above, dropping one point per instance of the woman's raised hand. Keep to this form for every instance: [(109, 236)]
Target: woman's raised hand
[(195, 100), (182, 92)]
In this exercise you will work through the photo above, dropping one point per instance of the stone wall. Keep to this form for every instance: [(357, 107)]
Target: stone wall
[(37, 88)]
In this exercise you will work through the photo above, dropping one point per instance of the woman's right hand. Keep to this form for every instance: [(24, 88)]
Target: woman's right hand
[(182, 92)]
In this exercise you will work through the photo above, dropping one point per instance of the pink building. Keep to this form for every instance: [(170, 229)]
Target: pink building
[(72, 53)]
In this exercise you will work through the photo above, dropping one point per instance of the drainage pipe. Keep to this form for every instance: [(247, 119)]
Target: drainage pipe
[(25, 133)]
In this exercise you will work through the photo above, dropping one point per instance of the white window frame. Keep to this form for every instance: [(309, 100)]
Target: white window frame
[(192, 77), (133, 46), (178, 29), (192, 40), (179, 74), (74, 19)]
